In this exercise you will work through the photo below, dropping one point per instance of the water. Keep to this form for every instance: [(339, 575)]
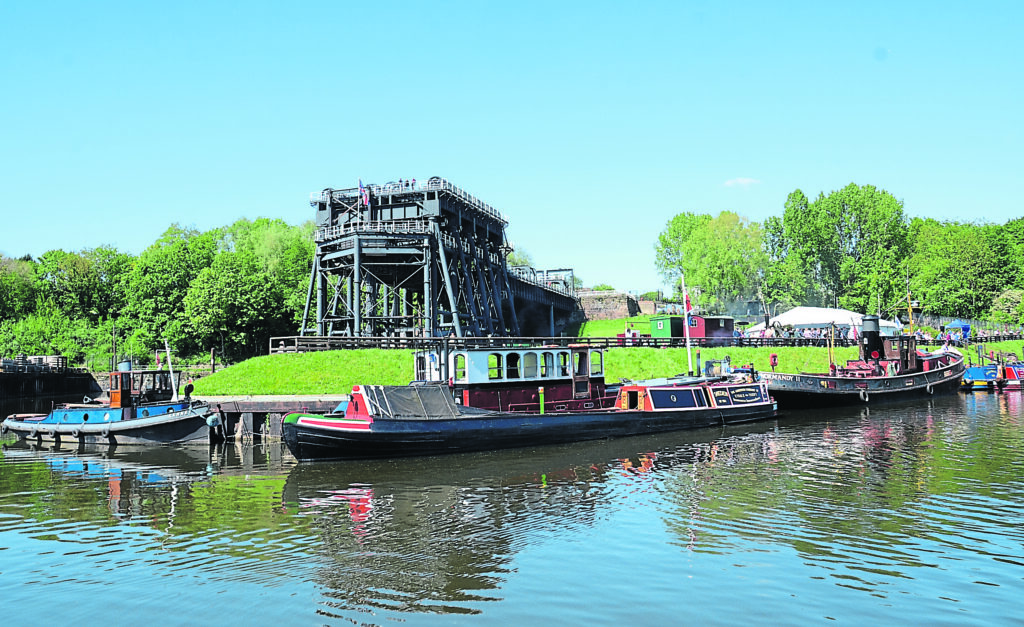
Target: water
[(909, 514)]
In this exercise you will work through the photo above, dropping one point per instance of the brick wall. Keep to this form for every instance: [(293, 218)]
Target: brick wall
[(607, 305)]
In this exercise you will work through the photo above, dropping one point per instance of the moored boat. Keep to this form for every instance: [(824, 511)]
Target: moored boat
[(143, 407), (982, 378), (481, 399), (889, 369), (1013, 375)]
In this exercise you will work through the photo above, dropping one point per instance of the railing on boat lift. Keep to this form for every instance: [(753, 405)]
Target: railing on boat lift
[(303, 344)]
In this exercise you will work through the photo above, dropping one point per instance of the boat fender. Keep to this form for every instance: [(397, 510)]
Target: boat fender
[(106, 431), (212, 420), (863, 395), (3, 428), (928, 388), (75, 433), (32, 433)]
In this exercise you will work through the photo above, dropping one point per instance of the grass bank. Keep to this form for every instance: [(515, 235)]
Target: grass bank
[(328, 372), (335, 372)]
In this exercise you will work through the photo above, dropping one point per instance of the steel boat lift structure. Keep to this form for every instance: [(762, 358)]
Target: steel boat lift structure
[(423, 259)]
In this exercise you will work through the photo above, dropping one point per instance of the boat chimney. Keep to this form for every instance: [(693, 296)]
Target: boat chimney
[(871, 346)]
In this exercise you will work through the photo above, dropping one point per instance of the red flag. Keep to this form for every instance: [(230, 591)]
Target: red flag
[(689, 307)]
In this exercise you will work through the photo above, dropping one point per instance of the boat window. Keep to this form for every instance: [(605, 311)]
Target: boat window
[(421, 368), (460, 367), (494, 367), (530, 366), (547, 365), (596, 362), (512, 366), (563, 364), (115, 380), (581, 367)]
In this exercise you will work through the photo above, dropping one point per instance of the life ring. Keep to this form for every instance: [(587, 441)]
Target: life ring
[(863, 395)]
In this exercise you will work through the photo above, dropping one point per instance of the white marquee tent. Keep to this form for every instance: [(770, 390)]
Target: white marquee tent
[(817, 317)]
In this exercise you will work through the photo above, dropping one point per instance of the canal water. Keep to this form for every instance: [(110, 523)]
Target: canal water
[(911, 514)]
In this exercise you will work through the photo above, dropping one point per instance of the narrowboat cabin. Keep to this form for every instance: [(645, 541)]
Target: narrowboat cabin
[(520, 379)]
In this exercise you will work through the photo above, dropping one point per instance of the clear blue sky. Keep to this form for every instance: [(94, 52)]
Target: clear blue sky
[(589, 124)]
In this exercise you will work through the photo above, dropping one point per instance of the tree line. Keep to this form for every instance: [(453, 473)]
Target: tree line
[(228, 290), (854, 248)]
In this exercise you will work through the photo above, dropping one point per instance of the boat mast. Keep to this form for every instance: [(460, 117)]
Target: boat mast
[(174, 384), (686, 321), (910, 303)]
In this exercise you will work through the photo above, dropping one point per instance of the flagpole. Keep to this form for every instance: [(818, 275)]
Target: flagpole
[(686, 322)]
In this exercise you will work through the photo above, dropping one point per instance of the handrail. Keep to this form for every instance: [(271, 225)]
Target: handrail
[(378, 226), (431, 184), (300, 344)]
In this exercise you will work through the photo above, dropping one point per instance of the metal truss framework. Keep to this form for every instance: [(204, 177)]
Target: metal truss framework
[(408, 259)]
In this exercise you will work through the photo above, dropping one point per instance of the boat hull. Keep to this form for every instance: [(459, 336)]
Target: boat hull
[(312, 437), (813, 390), (189, 425)]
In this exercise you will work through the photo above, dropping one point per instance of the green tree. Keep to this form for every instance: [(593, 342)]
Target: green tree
[(283, 252), (233, 306), (156, 287), (851, 242), (957, 269), (723, 256), (786, 277), (17, 288), (519, 258), (673, 246)]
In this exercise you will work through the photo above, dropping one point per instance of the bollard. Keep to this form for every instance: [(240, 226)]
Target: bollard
[(540, 391)]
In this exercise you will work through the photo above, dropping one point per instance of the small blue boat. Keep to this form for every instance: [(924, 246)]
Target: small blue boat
[(143, 407), (982, 378)]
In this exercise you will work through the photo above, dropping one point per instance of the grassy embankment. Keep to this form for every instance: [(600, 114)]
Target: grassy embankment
[(334, 372)]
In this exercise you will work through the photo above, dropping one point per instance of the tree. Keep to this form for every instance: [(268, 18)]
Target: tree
[(722, 255), (957, 269), (157, 284), (283, 252), (671, 251), (851, 242), (518, 258), (233, 304), (17, 288)]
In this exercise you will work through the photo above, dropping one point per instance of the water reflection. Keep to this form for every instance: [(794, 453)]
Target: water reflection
[(918, 502), (440, 534)]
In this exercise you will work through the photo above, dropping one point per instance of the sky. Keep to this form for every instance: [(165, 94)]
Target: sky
[(588, 124)]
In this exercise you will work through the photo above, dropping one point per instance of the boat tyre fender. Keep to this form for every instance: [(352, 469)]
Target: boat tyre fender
[(106, 432), (863, 395), (75, 433), (32, 433), (928, 388), (3, 429)]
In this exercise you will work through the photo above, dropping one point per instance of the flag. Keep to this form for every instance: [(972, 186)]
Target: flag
[(364, 196), (689, 307)]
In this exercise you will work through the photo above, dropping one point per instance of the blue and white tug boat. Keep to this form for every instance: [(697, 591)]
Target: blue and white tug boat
[(142, 407)]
